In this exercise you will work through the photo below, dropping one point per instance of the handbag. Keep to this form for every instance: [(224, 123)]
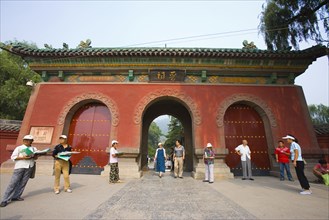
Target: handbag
[(33, 170), (326, 179)]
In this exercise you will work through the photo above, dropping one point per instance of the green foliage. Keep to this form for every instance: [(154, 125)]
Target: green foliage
[(14, 94), (319, 114), (175, 132), (285, 23), (153, 138)]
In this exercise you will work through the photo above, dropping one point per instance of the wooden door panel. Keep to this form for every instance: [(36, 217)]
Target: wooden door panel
[(243, 122), (90, 134)]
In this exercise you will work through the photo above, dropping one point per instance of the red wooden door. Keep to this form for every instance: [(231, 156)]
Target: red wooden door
[(243, 122), (89, 134)]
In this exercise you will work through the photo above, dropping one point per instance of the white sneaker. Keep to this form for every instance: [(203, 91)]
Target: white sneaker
[(68, 190), (57, 192), (306, 192)]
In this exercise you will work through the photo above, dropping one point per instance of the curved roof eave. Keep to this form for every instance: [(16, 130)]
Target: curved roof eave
[(28, 52)]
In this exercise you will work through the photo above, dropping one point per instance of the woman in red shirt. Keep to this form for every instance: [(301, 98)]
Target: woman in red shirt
[(320, 169), (282, 154)]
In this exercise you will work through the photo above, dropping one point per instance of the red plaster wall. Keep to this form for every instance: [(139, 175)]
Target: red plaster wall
[(287, 103), (6, 138)]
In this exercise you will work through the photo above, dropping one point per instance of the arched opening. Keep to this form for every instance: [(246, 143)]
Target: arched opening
[(165, 129), (174, 107), (243, 121), (89, 133)]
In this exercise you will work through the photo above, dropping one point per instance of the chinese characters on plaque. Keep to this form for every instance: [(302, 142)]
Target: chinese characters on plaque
[(42, 135), (167, 75)]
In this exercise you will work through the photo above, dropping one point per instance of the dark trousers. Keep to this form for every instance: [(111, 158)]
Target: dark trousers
[(301, 175), (17, 184)]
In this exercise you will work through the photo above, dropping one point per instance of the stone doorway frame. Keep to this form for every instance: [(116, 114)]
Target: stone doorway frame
[(150, 108)]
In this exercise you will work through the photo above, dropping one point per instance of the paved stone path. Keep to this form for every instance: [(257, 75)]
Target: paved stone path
[(152, 197)]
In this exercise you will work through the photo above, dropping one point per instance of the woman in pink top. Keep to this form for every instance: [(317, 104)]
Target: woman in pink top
[(320, 169)]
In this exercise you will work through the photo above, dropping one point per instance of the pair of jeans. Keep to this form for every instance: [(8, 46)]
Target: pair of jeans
[(285, 166), (17, 184)]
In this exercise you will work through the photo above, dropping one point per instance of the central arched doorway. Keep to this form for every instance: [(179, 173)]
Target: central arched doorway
[(174, 107)]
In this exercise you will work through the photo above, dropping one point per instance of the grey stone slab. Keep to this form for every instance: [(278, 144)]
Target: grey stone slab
[(152, 197)]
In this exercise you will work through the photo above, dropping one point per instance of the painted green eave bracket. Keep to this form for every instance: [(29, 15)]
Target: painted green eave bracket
[(131, 75), (44, 76), (204, 76), (61, 75)]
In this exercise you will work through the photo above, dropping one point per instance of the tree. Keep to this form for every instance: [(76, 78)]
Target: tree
[(14, 94), (319, 114), (175, 132), (153, 138), (289, 22)]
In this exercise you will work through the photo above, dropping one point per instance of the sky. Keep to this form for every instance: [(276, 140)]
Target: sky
[(207, 24)]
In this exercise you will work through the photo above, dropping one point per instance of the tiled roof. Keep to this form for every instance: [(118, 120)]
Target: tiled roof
[(24, 51), (10, 125), (321, 129)]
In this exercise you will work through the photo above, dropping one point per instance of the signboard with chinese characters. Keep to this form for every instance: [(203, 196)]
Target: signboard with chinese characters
[(42, 135), (166, 75)]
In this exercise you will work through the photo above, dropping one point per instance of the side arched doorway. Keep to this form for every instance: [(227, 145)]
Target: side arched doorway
[(89, 134), (174, 107), (241, 121)]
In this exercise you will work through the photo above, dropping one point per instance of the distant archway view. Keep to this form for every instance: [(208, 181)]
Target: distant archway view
[(165, 129), (180, 118)]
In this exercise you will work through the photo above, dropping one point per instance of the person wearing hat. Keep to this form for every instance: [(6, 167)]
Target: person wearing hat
[(208, 158), (244, 152), (160, 157), (23, 157), (114, 170), (298, 162), (62, 166)]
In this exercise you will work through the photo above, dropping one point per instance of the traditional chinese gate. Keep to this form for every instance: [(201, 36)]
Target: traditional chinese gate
[(243, 122), (89, 134)]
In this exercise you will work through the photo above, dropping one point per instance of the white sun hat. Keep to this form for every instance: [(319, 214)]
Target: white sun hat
[(209, 145), (159, 143), (115, 142), (63, 136), (28, 137), (288, 137)]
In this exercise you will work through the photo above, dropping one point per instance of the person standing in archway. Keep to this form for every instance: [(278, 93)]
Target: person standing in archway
[(160, 157), (208, 158), (244, 151), (179, 156)]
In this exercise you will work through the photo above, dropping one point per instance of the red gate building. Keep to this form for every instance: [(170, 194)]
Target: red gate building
[(221, 96)]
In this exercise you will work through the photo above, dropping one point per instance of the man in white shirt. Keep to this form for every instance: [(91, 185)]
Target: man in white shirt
[(244, 151), (23, 156)]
